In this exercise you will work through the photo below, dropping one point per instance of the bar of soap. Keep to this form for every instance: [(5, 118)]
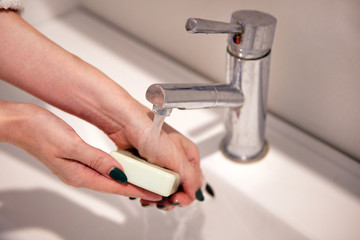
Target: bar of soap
[(146, 175)]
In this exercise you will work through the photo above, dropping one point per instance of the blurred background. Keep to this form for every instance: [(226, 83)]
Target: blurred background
[(315, 66)]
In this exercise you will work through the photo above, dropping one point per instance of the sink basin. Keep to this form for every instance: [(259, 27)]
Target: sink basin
[(302, 189)]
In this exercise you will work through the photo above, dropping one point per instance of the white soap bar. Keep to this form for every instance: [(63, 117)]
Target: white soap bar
[(146, 175)]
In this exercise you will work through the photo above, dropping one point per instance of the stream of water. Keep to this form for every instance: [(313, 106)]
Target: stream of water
[(157, 125), (182, 217)]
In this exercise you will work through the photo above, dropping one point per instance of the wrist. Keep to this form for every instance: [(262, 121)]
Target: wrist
[(12, 118), (7, 119), (115, 108)]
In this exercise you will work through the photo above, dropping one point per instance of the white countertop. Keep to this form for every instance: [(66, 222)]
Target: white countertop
[(302, 189)]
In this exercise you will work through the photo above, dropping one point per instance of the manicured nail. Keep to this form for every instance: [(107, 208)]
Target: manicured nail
[(145, 205), (160, 206), (199, 195), (132, 198), (209, 190), (118, 175), (175, 204)]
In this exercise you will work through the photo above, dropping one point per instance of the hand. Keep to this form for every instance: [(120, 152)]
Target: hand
[(170, 150), (58, 147), (67, 82)]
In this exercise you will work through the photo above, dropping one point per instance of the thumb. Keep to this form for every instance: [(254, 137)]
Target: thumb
[(101, 162)]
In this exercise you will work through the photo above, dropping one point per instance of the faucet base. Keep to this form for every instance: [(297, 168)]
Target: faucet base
[(245, 159)]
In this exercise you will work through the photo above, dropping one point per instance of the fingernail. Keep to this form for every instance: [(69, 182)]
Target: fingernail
[(209, 190), (159, 206), (199, 195), (145, 205), (132, 198), (175, 203), (118, 175)]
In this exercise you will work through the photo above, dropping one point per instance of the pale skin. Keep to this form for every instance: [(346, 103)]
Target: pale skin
[(37, 65)]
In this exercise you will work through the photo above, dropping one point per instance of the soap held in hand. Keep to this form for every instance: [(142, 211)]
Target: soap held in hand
[(146, 175)]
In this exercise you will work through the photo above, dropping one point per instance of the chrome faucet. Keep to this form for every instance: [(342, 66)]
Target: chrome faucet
[(250, 37)]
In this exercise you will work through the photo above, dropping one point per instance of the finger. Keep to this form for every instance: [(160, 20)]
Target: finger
[(89, 178), (107, 166), (147, 203), (180, 199), (100, 161), (191, 183), (191, 152), (163, 204)]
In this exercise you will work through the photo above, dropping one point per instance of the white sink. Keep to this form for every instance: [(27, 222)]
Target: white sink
[(301, 190)]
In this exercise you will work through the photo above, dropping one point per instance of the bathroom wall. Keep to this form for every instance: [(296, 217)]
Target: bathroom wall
[(315, 69), (37, 11)]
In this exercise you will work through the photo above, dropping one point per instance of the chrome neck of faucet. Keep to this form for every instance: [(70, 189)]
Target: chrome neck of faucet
[(192, 96)]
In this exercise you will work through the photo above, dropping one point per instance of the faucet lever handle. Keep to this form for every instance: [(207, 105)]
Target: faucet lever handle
[(198, 25), (250, 33)]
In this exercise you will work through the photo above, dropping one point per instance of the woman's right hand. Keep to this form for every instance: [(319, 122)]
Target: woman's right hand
[(55, 144)]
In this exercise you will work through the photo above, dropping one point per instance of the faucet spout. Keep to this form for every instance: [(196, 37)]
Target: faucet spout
[(165, 97)]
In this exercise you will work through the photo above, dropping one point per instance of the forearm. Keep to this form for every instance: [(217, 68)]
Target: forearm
[(32, 62)]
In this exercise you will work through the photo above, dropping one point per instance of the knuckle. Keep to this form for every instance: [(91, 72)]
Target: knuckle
[(97, 162), (75, 144), (69, 148)]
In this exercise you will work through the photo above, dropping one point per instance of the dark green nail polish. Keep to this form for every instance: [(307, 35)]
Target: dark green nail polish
[(175, 204), (199, 195), (209, 190), (161, 206), (118, 175), (132, 198)]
